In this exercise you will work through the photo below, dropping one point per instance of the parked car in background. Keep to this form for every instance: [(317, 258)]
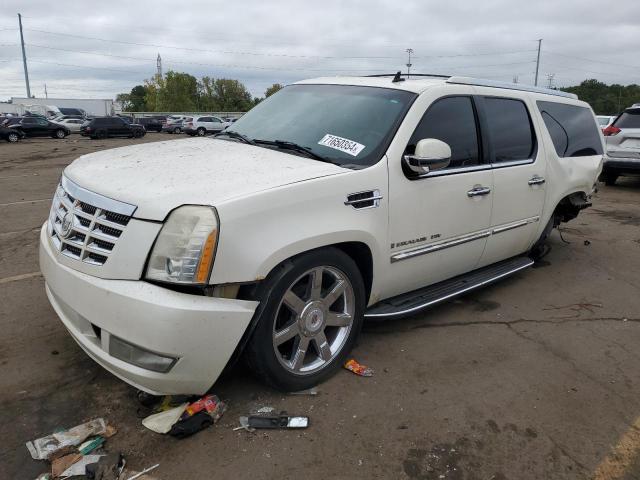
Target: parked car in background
[(104, 127), (66, 117), (11, 121), (203, 124), (605, 120), (72, 124), (173, 124), (174, 127), (150, 124), (11, 135), (318, 209), (622, 139), (33, 126)]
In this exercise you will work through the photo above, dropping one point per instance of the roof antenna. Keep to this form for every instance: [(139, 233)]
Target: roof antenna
[(398, 78)]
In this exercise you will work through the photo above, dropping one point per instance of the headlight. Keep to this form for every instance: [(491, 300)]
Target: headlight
[(185, 247)]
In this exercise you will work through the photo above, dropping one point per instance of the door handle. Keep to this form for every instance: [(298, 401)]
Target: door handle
[(536, 180), (478, 191)]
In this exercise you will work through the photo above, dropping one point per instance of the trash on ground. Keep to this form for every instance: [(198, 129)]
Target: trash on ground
[(79, 467), (44, 476), (283, 420), (108, 467), (190, 425), (43, 448), (61, 464), (358, 369), (309, 391), (265, 410), (187, 418), (587, 242), (143, 472), (90, 445), (163, 421)]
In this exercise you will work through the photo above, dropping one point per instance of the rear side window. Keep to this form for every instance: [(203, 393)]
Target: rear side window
[(573, 131), (510, 128), (452, 120), (629, 119)]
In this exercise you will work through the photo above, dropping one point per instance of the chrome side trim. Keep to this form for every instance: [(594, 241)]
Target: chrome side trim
[(96, 199), (439, 246), (375, 197), (452, 171), (513, 163), (511, 226), (450, 295)]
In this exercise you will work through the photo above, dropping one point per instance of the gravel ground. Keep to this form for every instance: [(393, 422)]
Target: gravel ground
[(533, 378)]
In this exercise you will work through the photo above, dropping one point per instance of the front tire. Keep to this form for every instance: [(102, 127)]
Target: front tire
[(13, 137), (311, 318), (177, 130), (60, 134)]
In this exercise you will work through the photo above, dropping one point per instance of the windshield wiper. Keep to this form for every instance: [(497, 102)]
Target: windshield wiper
[(285, 145), (237, 135)]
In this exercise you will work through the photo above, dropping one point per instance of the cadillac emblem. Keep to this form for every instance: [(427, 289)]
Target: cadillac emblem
[(67, 225)]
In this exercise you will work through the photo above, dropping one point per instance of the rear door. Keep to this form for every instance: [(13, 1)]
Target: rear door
[(216, 125), (519, 171), (623, 136)]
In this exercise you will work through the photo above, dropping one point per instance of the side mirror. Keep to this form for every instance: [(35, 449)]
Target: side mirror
[(431, 154)]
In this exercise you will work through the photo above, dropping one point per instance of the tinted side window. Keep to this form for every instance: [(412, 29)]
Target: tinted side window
[(28, 120), (629, 119), (510, 128), (451, 120), (573, 131)]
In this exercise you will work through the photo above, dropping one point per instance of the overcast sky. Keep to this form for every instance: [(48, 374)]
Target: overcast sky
[(261, 42)]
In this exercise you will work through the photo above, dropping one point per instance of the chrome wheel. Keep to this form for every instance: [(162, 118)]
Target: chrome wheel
[(313, 320), (13, 137), (60, 133)]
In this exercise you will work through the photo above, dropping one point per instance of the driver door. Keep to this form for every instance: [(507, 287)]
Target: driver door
[(439, 222)]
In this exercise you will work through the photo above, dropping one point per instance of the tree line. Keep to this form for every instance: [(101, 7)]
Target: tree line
[(182, 92), (606, 99)]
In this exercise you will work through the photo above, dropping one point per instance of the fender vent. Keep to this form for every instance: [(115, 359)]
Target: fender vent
[(366, 199)]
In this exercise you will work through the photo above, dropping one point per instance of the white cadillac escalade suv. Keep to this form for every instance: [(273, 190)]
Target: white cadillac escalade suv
[(333, 201)]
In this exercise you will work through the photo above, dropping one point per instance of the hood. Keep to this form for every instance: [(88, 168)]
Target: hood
[(158, 177)]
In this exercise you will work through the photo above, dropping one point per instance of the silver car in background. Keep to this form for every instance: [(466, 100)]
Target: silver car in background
[(622, 138), (72, 124)]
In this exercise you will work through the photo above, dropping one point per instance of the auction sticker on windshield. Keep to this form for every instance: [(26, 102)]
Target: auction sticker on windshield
[(342, 144)]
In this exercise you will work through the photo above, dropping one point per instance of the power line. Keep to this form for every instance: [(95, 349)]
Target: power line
[(591, 60)]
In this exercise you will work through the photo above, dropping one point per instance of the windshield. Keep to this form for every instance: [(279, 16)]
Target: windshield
[(347, 125)]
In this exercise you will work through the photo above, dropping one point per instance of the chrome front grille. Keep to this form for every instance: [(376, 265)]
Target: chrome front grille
[(84, 225)]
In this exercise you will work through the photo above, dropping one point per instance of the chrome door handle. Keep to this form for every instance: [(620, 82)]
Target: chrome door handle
[(536, 180), (477, 191)]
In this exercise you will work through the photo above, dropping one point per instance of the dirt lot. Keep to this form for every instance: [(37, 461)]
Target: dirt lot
[(534, 378)]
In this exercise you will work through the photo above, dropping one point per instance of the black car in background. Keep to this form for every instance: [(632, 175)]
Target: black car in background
[(11, 135), (103, 127), (150, 124), (33, 126)]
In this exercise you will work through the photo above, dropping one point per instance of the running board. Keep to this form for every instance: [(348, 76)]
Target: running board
[(418, 300)]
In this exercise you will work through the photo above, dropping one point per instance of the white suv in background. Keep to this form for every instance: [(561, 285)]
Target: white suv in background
[(333, 201), (202, 124), (623, 146)]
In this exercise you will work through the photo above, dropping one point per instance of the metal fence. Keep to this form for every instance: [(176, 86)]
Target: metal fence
[(154, 114)]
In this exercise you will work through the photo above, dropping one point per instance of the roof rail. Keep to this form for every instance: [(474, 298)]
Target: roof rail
[(411, 75), (511, 86)]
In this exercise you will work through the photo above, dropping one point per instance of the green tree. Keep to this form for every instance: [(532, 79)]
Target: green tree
[(177, 92), (606, 99), (272, 89), (124, 100), (137, 99)]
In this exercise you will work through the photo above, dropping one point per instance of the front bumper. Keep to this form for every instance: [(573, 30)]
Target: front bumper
[(201, 332)]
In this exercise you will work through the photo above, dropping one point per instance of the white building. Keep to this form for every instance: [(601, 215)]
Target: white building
[(93, 107)]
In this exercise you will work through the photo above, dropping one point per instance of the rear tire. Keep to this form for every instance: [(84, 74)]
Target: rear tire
[(177, 130), (60, 134), (101, 134), (312, 313), (538, 249), (201, 132)]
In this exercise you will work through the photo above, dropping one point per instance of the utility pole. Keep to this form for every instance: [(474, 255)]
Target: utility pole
[(409, 51), (550, 77), (159, 67), (46, 95), (538, 61), (515, 79), (24, 58)]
